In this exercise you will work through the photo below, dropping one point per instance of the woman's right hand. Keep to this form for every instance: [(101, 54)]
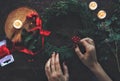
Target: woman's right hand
[(90, 60), (89, 57)]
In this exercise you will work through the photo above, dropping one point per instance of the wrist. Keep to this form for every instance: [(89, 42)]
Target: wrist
[(99, 72), (95, 67)]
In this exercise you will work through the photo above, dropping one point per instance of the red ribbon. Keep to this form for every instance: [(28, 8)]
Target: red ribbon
[(22, 49), (4, 51), (42, 32), (38, 27), (26, 51), (32, 14)]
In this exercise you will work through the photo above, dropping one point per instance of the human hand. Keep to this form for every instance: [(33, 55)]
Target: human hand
[(90, 60), (89, 57), (53, 69)]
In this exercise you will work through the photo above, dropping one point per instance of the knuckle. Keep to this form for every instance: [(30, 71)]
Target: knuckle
[(57, 62), (91, 47), (53, 76), (58, 75)]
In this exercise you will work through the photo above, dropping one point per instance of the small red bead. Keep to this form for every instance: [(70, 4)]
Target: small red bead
[(75, 39)]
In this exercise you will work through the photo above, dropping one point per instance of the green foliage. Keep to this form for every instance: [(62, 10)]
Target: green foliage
[(112, 27), (109, 26), (106, 32), (64, 8), (31, 40), (64, 51)]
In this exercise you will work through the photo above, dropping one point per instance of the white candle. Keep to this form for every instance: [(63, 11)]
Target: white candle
[(101, 14), (93, 5), (17, 24)]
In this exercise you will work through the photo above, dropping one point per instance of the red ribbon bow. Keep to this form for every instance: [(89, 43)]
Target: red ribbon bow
[(38, 27), (4, 51), (42, 32)]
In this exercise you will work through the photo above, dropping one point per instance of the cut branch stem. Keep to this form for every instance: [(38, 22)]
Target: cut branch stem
[(116, 55)]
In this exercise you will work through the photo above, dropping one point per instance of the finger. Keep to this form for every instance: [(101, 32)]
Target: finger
[(53, 62), (57, 63), (78, 52), (47, 68), (85, 43), (88, 43), (89, 40), (65, 68)]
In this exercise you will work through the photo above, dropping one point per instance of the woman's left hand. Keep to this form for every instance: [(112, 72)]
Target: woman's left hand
[(53, 69)]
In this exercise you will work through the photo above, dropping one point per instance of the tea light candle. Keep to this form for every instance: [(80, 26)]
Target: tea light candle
[(17, 24), (101, 14), (93, 5)]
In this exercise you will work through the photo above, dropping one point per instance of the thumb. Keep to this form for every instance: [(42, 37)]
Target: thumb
[(78, 52)]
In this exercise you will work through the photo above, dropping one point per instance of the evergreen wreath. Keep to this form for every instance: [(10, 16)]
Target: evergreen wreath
[(80, 25), (68, 18), (105, 32)]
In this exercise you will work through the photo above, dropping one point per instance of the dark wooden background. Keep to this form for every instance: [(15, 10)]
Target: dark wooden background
[(22, 69)]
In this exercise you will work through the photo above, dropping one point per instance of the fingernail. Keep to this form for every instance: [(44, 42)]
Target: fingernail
[(57, 54), (64, 63)]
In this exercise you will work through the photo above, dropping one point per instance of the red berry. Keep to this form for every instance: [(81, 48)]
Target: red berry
[(75, 39)]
